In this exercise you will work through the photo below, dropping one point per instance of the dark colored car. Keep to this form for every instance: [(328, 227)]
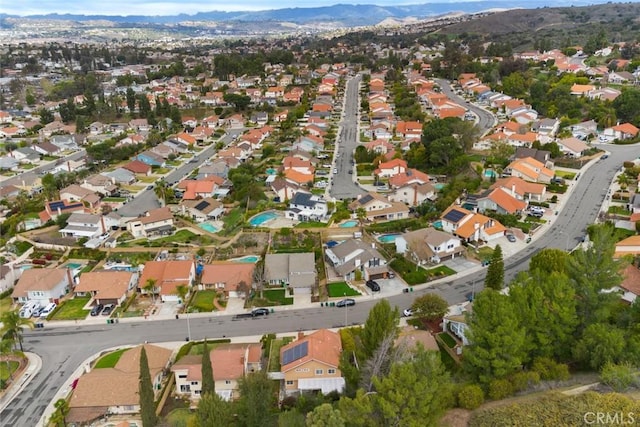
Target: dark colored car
[(511, 238), (373, 285), (346, 302), (108, 309), (96, 309), (259, 312)]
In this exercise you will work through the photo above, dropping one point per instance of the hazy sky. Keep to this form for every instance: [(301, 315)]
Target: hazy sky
[(154, 7)]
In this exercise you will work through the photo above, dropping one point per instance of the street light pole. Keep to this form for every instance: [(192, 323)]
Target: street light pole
[(346, 312), (188, 327)]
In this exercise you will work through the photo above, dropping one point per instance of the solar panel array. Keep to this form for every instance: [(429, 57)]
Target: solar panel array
[(454, 215), (54, 206), (365, 199), (202, 205), (295, 353)]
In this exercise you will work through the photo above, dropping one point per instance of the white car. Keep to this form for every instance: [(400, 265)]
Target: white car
[(335, 170), (407, 312)]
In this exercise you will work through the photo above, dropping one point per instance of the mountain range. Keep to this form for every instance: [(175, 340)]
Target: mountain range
[(342, 14)]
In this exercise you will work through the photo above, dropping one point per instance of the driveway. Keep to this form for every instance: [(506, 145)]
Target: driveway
[(460, 264)]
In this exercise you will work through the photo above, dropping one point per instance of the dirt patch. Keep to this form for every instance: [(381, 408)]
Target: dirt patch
[(456, 418)]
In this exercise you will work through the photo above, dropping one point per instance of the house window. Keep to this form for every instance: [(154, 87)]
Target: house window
[(289, 382), (227, 382), (185, 388), (331, 371), (319, 371), (128, 408), (194, 382), (182, 376), (197, 391)]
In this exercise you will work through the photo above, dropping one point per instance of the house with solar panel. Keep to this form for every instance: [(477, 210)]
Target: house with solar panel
[(471, 226), (310, 363), (305, 206), (202, 209)]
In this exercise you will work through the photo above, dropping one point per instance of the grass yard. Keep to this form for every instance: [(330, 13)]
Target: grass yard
[(72, 309), (161, 171), (5, 304), (340, 289), (22, 247), (410, 272), (147, 179), (279, 296), (114, 199), (181, 417), (133, 188), (448, 339), (441, 270), (7, 371), (274, 353), (109, 360), (565, 174), (619, 210), (203, 301)]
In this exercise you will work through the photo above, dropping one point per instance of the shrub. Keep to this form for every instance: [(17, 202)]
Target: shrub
[(523, 380), (470, 396), (499, 389), (550, 369), (619, 376)]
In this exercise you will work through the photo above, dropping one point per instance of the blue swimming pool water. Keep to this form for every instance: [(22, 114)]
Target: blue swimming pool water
[(490, 173), (260, 219), (271, 171), (348, 224), (26, 267), (247, 259), (73, 265), (437, 224), (388, 238), (439, 185), (207, 226)]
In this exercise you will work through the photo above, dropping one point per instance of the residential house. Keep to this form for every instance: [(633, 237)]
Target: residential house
[(309, 143), (82, 225), (139, 125), (115, 391), (471, 227), (379, 146), (166, 277), (585, 129), (377, 208), (307, 207), (572, 147), (414, 194), (628, 246), (297, 271), (44, 285), (543, 156), (52, 210), (76, 193), (353, 255), (25, 155), (408, 129), (137, 167), (8, 163), (157, 222), (199, 189), (121, 176), (391, 168), (284, 189), (101, 184), (202, 209), (9, 274), (297, 164), (529, 169), (311, 363), (408, 177), (106, 287), (521, 189), (622, 131), (455, 322), (231, 362), (630, 285), (501, 201), (47, 149), (235, 279), (429, 245), (150, 158)]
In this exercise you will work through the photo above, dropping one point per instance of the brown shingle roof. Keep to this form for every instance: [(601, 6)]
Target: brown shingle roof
[(106, 284), (38, 279), (323, 346)]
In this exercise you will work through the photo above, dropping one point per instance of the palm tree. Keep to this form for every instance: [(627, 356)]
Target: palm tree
[(12, 325), (59, 417), (182, 291), (150, 287)]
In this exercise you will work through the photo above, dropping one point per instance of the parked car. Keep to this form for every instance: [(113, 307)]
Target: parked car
[(511, 238), (407, 312), (373, 285), (260, 312), (96, 309), (346, 302), (48, 310), (108, 309)]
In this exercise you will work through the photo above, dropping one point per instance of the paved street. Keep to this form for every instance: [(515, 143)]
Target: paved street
[(342, 184), (486, 120)]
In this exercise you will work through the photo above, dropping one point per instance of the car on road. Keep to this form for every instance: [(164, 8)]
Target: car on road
[(373, 285), (511, 238), (335, 170), (96, 309), (350, 172), (108, 309), (260, 312), (150, 187), (347, 302), (407, 312)]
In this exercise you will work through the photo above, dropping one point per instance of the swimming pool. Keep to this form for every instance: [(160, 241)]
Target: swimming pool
[(271, 171), (388, 238), (207, 226), (490, 173), (260, 219), (26, 267), (248, 259), (348, 224), (437, 224), (439, 185), (73, 265)]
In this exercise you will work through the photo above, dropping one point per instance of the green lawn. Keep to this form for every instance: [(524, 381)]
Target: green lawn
[(619, 210), (278, 296), (410, 272), (181, 417), (340, 289), (27, 166), (448, 339), (114, 199), (440, 271), (274, 353), (110, 360), (5, 304), (565, 174), (203, 301), (6, 371), (22, 247), (72, 309), (311, 224)]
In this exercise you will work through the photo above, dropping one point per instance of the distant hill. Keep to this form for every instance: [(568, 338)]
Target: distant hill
[(342, 14)]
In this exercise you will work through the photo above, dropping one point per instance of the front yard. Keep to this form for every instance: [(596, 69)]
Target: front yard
[(271, 297), (341, 289), (202, 302), (109, 360), (71, 309)]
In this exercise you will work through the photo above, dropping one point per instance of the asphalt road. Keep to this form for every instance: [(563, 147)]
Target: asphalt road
[(342, 183), (41, 170), (486, 120)]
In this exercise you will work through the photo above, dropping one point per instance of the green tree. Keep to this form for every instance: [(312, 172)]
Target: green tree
[(381, 322), (498, 343), (46, 116), (258, 397), (619, 376), (325, 416), (627, 105), (145, 389), (208, 383), (213, 411), (291, 418), (49, 186), (546, 305), (430, 307), (600, 343), (359, 411), (59, 416), (150, 287), (495, 272), (471, 396), (549, 260), (12, 327)]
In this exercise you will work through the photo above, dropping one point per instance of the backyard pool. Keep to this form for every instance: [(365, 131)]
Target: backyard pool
[(73, 265), (388, 238), (207, 226), (248, 259), (271, 171), (437, 224), (348, 224), (490, 173), (439, 186), (260, 219), (26, 267)]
